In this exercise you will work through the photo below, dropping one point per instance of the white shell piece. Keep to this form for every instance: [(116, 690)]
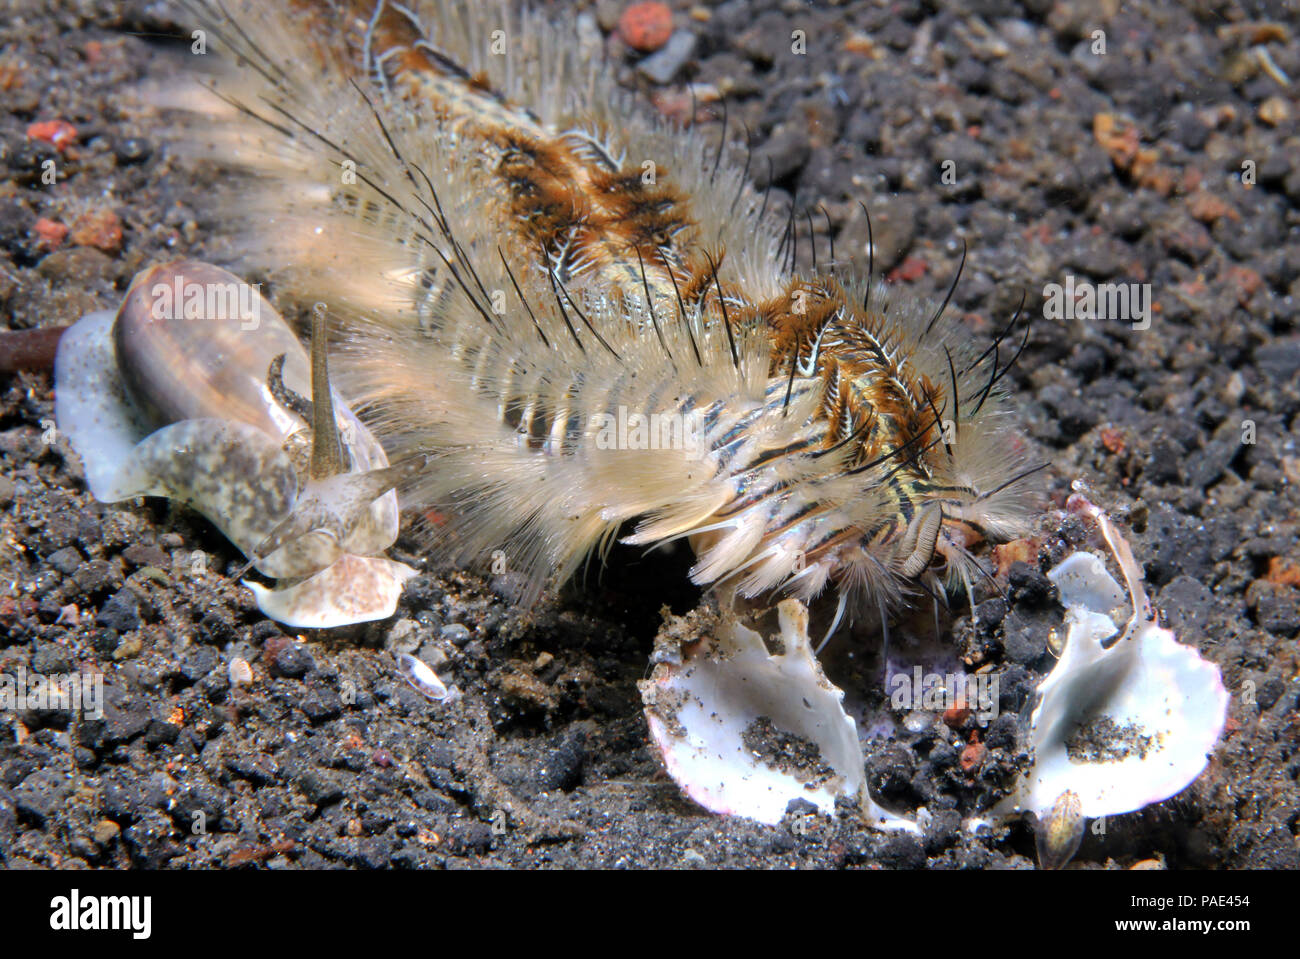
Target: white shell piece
[(241, 673), (704, 703), (422, 678), (1125, 726), (1082, 581), (355, 589)]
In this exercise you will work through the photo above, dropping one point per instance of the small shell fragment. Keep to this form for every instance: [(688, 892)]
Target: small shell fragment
[(241, 673), (1060, 831), (422, 678)]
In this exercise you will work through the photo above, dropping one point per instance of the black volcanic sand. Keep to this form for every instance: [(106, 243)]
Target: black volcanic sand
[(1123, 167)]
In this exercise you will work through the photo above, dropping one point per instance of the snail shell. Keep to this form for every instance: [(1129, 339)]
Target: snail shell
[(193, 341), (174, 396)]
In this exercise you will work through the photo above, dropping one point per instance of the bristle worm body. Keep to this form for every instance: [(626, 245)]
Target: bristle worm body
[(519, 254)]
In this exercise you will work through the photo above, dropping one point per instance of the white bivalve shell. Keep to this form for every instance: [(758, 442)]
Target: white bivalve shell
[(172, 396), (744, 732), (1120, 722)]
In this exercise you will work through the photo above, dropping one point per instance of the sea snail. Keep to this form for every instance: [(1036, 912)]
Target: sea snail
[(194, 390)]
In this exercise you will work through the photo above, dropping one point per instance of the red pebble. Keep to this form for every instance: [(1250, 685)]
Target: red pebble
[(50, 234), (57, 133), (646, 26), (972, 756), (1112, 439), (271, 648), (957, 716), (99, 228), (912, 268)]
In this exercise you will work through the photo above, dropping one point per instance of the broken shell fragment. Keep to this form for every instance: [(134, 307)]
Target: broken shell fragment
[(1125, 719), (353, 589), (423, 679), (194, 390), (743, 732)]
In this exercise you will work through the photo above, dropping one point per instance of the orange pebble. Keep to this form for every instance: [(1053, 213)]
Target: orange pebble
[(99, 228), (1112, 439), (1283, 571), (57, 133), (50, 234), (972, 756), (957, 716), (912, 268), (646, 26)]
